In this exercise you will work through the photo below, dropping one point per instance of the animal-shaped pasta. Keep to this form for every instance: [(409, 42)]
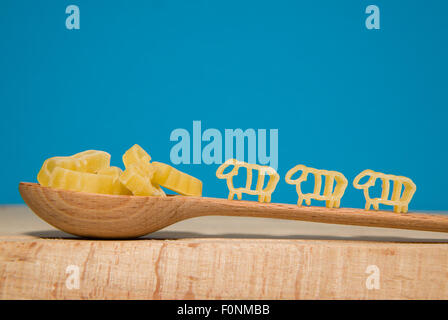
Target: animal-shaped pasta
[(331, 194), (264, 194), (400, 198)]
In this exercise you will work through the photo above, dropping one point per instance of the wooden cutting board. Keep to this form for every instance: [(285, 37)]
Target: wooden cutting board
[(222, 258)]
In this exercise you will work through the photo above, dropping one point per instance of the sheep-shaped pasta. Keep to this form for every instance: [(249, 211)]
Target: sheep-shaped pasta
[(264, 194), (399, 199), (331, 195)]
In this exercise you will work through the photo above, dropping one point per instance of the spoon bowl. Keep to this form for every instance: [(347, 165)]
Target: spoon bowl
[(122, 216)]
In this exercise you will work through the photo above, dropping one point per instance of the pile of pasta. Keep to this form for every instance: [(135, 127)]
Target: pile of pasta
[(90, 171)]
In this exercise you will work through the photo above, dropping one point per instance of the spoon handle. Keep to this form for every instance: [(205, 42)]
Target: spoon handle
[(349, 216)]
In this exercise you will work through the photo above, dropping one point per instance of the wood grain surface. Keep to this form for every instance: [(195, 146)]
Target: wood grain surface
[(221, 269), (222, 258)]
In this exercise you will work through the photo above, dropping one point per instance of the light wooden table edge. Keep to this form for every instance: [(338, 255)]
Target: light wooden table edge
[(222, 258), (217, 268)]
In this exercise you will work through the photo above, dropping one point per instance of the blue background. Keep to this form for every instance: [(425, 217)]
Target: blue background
[(343, 97)]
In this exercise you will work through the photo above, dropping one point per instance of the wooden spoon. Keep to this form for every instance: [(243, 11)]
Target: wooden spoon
[(110, 216)]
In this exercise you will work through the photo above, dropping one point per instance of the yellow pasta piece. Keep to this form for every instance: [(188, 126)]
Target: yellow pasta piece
[(111, 171), (92, 160), (264, 195), (135, 154), (88, 161), (331, 196), (175, 180), (86, 182), (400, 197), (137, 178), (115, 172)]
